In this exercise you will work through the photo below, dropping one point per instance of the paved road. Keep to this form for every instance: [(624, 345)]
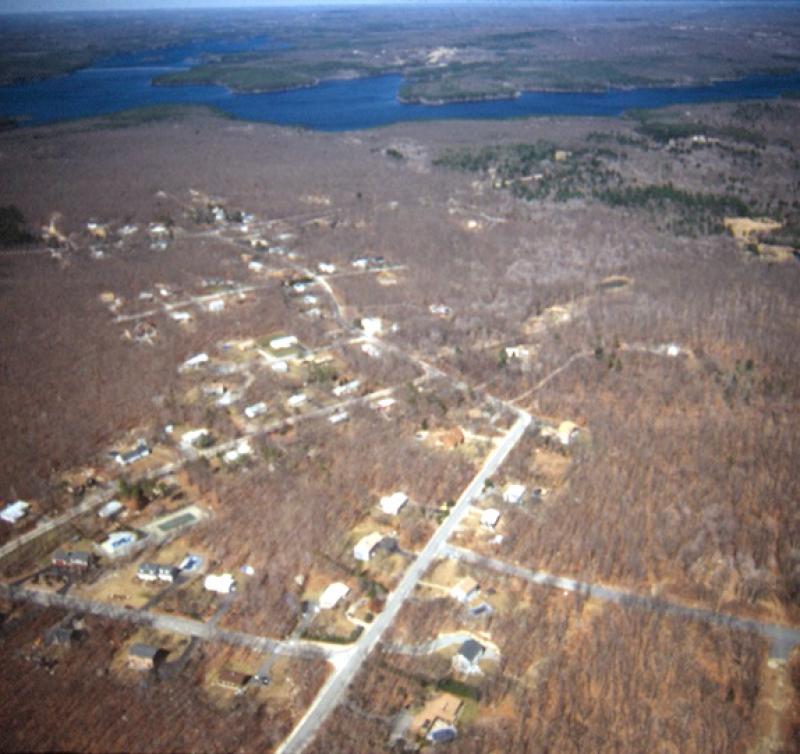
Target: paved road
[(783, 638), (94, 500), (331, 693), (173, 624)]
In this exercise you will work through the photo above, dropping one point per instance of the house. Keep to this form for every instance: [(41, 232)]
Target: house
[(393, 504), (568, 432), (438, 714), (13, 512), (441, 732), (195, 361), (182, 317), (361, 263), (255, 266), (131, 456), (194, 437), (216, 305), (332, 595), (440, 310), (338, 417), (347, 388), (298, 399), (517, 352), (371, 325), (256, 409), (489, 518), (118, 543), (283, 342), (371, 350), (233, 680), (156, 572), (467, 658), (111, 509), (465, 589), (326, 268), (222, 584), (281, 367), (144, 656), (78, 560), (384, 404), (513, 493), (366, 546)]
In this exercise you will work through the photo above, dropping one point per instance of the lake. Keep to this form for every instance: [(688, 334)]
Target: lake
[(125, 81)]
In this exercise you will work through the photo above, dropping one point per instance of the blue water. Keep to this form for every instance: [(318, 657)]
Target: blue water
[(124, 82)]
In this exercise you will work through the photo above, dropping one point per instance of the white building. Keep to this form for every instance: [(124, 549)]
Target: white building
[(465, 589), (568, 432), (371, 326), (217, 305), (393, 504), (347, 388), (193, 437), (255, 409), (384, 404), (110, 509), (298, 399), (118, 543), (13, 512), (326, 268), (182, 317), (332, 595), (371, 350), (281, 367), (283, 342), (338, 417), (222, 584), (196, 361), (513, 493), (490, 517), (366, 546)]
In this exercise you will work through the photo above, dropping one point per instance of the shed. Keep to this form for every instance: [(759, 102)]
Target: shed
[(110, 509), (568, 432), (255, 409)]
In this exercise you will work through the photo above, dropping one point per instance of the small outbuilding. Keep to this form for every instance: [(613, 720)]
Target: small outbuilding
[(489, 518), (513, 493)]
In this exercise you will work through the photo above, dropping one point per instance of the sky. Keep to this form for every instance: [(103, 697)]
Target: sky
[(30, 6)]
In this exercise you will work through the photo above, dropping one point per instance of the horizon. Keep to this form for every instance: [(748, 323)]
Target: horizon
[(33, 7)]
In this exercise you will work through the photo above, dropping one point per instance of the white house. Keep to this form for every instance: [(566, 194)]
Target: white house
[(13, 512), (513, 493), (366, 546), (181, 317), (222, 583), (371, 350), (135, 454), (255, 409), (196, 361), (384, 404), (281, 367), (347, 388), (338, 417), (393, 504), (568, 432), (193, 437), (283, 342), (326, 268), (118, 543), (465, 589), (110, 509), (217, 305), (255, 266), (371, 325), (332, 595), (490, 517), (298, 399), (517, 352)]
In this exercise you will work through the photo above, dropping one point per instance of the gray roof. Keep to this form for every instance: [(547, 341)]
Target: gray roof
[(146, 651), (471, 650)]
